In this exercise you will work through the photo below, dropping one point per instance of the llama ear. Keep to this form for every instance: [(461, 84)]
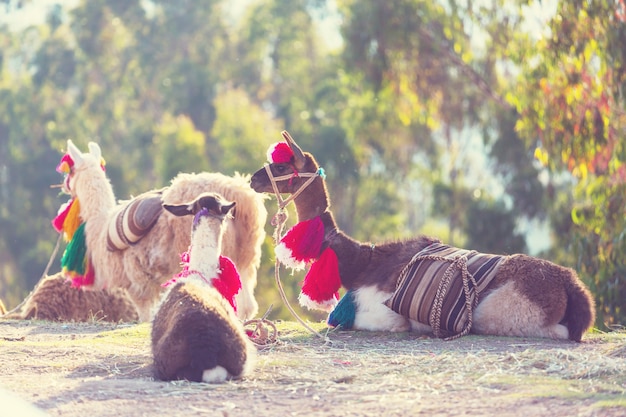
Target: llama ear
[(74, 152), (95, 150), (299, 159), (227, 207), (179, 209)]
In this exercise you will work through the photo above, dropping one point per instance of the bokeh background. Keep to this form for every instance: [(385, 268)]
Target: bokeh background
[(493, 125)]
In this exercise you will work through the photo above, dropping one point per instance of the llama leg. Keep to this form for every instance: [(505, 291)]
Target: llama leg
[(247, 306), (145, 304), (372, 314), (506, 312), (418, 327)]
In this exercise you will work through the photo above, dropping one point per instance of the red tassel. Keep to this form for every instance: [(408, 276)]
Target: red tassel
[(301, 244), (279, 153), (322, 282), (228, 282), (57, 222)]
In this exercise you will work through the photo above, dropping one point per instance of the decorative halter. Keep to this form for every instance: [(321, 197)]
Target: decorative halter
[(282, 203)]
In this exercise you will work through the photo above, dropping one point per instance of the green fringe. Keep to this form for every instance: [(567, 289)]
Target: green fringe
[(75, 253), (344, 313)]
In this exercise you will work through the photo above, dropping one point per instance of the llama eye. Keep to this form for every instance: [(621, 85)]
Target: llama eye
[(281, 168)]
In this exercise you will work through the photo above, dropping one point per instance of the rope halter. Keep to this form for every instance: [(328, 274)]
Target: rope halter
[(281, 215)]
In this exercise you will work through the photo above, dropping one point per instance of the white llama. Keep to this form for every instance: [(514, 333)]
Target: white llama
[(145, 264)]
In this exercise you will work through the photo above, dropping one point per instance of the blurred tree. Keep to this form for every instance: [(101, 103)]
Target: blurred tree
[(243, 131), (179, 147), (569, 96)]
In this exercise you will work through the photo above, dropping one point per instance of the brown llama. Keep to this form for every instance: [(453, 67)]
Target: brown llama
[(140, 261), (195, 333), (390, 286), (54, 299)]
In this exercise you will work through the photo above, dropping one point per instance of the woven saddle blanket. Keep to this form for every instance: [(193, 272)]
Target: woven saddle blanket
[(441, 285), (133, 220)]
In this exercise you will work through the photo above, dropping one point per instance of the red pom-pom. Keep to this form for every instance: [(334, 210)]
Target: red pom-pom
[(65, 164), (322, 282), (228, 282), (301, 244), (279, 153)]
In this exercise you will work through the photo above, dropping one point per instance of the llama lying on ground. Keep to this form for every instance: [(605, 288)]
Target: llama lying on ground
[(141, 265), (195, 332), (521, 295), (55, 299)]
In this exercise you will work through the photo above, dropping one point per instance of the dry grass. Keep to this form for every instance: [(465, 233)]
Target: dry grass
[(73, 369)]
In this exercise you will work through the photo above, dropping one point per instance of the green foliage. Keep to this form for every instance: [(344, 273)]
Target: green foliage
[(569, 99), (242, 129), (179, 147)]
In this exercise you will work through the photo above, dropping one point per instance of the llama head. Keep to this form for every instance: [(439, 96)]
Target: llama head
[(210, 205), (286, 162), (75, 161)]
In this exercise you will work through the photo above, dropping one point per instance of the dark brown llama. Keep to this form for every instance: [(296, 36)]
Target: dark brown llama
[(196, 334), (524, 296)]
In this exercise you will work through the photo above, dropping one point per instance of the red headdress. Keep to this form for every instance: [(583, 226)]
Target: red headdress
[(279, 153)]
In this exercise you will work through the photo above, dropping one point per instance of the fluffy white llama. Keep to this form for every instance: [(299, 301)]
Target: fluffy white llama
[(143, 266), (195, 333)]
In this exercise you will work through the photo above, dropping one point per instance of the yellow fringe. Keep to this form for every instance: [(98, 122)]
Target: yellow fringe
[(72, 221)]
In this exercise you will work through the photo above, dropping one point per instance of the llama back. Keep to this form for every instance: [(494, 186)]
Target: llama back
[(194, 330)]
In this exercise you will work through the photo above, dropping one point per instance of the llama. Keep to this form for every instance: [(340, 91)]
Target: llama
[(54, 299), (523, 296), (141, 265), (195, 333)]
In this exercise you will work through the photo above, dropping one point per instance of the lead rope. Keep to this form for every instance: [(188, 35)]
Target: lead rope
[(278, 221), (45, 272)]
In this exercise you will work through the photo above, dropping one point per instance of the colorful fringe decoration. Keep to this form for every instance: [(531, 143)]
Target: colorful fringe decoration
[(68, 219), (75, 262), (344, 314), (301, 244), (65, 165)]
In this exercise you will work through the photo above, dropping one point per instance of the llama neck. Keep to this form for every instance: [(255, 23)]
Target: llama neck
[(353, 256), (95, 193), (205, 248), (312, 202)]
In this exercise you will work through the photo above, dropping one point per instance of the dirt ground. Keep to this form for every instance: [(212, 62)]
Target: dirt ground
[(97, 369)]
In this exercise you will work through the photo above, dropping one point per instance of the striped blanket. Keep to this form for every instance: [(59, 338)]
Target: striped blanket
[(133, 220), (441, 285)]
